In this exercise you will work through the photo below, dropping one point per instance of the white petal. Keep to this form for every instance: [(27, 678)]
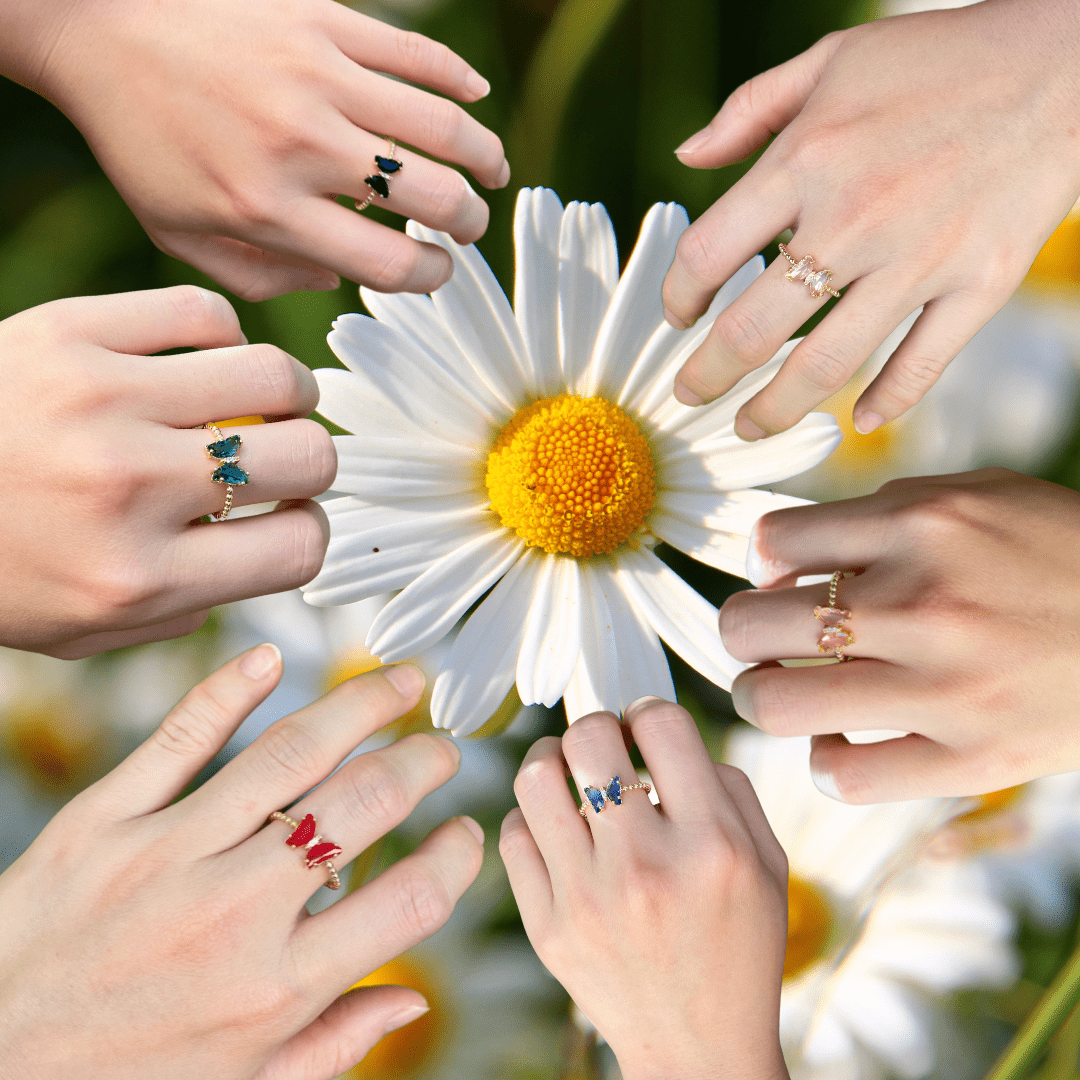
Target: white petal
[(636, 310), (480, 320), (479, 669), (720, 549), (588, 277), (681, 616), (418, 384), (725, 462), (394, 468), (537, 222), (552, 641), (356, 404), (621, 656), (426, 610), (667, 344), (416, 317)]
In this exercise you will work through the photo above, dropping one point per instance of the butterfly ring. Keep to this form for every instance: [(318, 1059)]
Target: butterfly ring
[(613, 793)]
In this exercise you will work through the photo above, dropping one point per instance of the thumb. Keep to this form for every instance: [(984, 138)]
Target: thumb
[(759, 108), (344, 1034)]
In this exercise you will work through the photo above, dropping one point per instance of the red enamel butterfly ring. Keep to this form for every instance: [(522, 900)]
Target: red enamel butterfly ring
[(319, 851)]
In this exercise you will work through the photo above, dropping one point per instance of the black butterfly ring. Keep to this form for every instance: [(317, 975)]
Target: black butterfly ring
[(379, 181)]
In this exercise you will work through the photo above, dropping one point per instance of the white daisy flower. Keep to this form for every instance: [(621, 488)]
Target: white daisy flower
[(871, 940), (537, 452)]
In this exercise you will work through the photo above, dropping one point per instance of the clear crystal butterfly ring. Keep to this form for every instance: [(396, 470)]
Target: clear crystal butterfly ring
[(803, 270)]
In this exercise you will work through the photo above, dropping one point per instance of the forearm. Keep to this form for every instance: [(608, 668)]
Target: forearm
[(32, 32)]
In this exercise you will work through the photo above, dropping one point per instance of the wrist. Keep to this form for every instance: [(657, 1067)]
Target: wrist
[(31, 39), (763, 1062)]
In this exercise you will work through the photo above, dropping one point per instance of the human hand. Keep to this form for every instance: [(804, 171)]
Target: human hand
[(925, 159), (665, 924), (230, 126), (966, 625), (103, 486), (149, 937)]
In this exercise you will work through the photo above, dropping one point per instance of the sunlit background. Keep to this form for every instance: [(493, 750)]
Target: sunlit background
[(591, 97)]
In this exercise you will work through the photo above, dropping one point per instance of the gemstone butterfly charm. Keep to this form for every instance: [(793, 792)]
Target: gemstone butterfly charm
[(600, 797)]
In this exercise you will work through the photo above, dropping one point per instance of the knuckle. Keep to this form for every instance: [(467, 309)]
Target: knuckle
[(393, 268), (304, 548), (423, 903), (739, 329), (593, 730), (534, 780), (657, 719), (776, 706), (316, 455), (737, 625), (912, 375), (292, 752), (699, 257), (200, 308), (273, 374), (941, 516), (118, 589), (191, 729), (377, 790), (249, 206), (449, 197), (439, 123), (823, 369), (415, 51)]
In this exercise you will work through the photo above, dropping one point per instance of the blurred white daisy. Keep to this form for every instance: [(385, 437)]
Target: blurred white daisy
[(872, 939), (537, 452)]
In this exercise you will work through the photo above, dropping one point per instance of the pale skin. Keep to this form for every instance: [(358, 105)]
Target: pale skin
[(107, 474), (966, 635), (665, 924), (924, 159), (170, 939), (228, 126)]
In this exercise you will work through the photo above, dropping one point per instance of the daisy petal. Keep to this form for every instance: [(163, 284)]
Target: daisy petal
[(720, 549), (480, 319), (479, 669), (636, 310), (588, 277), (537, 222), (382, 468), (427, 609), (417, 317), (680, 615), (594, 685), (552, 640), (355, 403)]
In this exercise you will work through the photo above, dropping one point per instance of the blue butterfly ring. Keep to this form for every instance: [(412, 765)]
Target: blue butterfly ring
[(379, 181), (613, 793), (224, 451)]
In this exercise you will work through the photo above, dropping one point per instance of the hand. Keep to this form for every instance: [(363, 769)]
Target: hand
[(966, 622), (924, 159), (106, 472), (147, 937), (665, 924), (230, 126)]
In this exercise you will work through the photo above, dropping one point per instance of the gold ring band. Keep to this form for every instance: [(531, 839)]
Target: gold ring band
[(803, 270), (835, 636), (319, 851), (224, 450)]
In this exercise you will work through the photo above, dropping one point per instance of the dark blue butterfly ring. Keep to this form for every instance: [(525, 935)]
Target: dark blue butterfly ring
[(224, 451), (613, 793), (379, 181)]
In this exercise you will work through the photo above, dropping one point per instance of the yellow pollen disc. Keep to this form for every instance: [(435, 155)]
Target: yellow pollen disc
[(992, 803), (809, 926), (572, 475), (1058, 264)]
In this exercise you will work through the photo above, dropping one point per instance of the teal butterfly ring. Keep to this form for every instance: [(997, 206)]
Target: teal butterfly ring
[(613, 793), (224, 450)]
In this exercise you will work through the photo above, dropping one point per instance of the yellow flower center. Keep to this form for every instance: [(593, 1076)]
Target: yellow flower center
[(858, 454), (571, 475), (992, 803), (1058, 264), (809, 926)]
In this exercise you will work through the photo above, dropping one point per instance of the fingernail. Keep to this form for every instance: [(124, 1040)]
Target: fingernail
[(826, 785), (674, 320), (755, 569), (473, 828), (740, 702), (635, 707), (435, 267), (695, 142), (867, 422), (405, 1016), (477, 85), (407, 680), (504, 175), (322, 283), (261, 661), (747, 430), (685, 396)]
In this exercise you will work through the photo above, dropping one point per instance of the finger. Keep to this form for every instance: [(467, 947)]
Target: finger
[(827, 357), (748, 216), (741, 792), (759, 108), (401, 907), (193, 732), (911, 767), (183, 316), (945, 326), (344, 1033), (292, 459), (679, 764), (975, 476), (432, 124), (408, 55), (252, 273), (300, 751), (549, 809), (526, 869), (92, 644), (421, 189), (747, 334), (189, 389), (368, 796), (863, 695)]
